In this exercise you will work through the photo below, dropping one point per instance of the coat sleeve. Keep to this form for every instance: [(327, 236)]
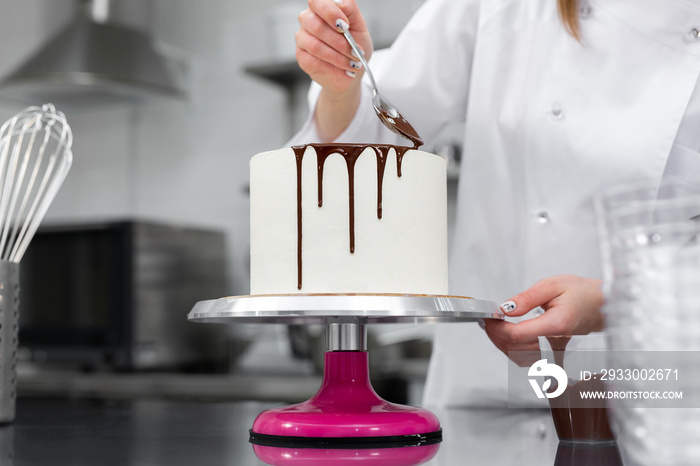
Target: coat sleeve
[(424, 74)]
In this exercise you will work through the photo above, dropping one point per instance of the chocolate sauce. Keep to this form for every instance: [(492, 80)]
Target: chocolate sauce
[(299, 156), (587, 421), (589, 418), (558, 344), (350, 152), (400, 126), (381, 165)]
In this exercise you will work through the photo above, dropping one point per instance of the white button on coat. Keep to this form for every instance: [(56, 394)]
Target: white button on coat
[(585, 11), (557, 112), (542, 217), (631, 112)]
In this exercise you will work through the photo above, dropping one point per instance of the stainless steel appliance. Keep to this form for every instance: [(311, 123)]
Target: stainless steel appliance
[(116, 295)]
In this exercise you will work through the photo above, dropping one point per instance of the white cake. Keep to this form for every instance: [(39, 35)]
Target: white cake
[(404, 251)]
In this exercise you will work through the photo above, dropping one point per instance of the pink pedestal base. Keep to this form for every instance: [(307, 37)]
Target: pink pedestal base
[(346, 406)]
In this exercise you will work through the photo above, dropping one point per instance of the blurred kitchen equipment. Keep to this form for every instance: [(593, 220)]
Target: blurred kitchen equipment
[(632, 217), (93, 61), (35, 156), (111, 295), (282, 23), (651, 263), (391, 118), (9, 308)]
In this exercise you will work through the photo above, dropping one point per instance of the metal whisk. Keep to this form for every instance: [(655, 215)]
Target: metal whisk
[(35, 156)]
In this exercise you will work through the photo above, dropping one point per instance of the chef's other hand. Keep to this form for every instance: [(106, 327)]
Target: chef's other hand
[(323, 52), (572, 307)]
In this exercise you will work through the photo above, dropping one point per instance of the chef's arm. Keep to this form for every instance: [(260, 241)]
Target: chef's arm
[(334, 113), (425, 73), (325, 55), (572, 306)]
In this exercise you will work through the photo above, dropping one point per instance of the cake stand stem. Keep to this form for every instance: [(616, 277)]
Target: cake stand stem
[(346, 337)]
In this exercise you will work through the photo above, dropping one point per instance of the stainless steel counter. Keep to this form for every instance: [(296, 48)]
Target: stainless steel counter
[(152, 433)]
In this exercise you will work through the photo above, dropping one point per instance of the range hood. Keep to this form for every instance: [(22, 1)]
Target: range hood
[(91, 63)]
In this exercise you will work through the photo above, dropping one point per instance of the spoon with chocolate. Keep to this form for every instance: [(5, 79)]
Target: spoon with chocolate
[(391, 118)]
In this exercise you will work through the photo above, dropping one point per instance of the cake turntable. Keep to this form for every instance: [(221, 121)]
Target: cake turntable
[(346, 412)]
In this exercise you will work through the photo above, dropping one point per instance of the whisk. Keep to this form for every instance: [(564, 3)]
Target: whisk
[(35, 156)]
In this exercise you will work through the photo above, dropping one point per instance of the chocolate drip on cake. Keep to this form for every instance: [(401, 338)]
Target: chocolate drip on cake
[(350, 152), (381, 165), (399, 161), (299, 155)]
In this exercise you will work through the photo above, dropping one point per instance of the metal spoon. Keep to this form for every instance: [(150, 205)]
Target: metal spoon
[(391, 118)]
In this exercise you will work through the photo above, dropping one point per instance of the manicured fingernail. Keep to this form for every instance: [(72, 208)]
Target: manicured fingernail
[(338, 2), (351, 74), (482, 324), (355, 55), (508, 307), (341, 25), (356, 64)]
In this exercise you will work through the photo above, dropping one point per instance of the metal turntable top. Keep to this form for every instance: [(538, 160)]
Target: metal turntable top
[(343, 308)]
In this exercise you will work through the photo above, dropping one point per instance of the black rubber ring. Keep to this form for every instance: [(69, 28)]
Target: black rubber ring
[(389, 441)]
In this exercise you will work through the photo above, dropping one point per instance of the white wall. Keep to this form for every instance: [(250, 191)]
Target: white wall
[(182, 162)]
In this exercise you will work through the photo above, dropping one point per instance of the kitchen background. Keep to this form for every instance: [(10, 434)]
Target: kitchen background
[(184, 161)]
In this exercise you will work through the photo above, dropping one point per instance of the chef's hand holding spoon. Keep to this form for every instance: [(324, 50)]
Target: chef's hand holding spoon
[(327, 58), (572, 306)]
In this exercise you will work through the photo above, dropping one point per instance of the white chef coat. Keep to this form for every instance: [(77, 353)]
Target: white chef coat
[(549, 123)]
